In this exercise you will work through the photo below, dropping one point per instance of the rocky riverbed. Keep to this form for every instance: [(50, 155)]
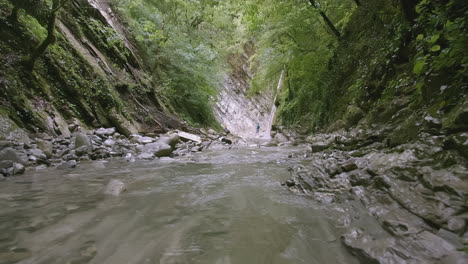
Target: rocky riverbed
[(417, 192), (385, 202), (19, 153)]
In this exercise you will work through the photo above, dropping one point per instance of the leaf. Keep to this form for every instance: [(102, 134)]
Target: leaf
[(419, 65), (435, 48), (434, 38), (420, 37)]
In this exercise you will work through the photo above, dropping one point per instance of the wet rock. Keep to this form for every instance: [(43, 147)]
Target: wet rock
[(11, 154), (38, 154), (171, 140), (359, 178), (83, 143), (4, 144), (109, 143), (145, 140), (280, 138), (349, 166), (46, 146), (146, 156), (71, 164), (105, 132), (18, 168), (83, 150), (5, 164), (317, 147), (189, 137), (290, 183), (456, 224), (70, 156), (226, 140), (159, 149), (353, 115), (115, 187)]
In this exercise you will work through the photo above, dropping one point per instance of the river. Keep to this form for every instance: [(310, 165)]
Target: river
[(218, 206)]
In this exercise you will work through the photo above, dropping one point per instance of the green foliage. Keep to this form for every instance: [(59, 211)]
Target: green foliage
[(184, 44)]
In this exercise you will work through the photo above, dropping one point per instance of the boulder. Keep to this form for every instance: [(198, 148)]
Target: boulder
[(18, 168), (353, 115), (105, 132), (109, 143), (145, 140), (146, 156), (280, 138), (46, 146), (171, 140), (39, 154), (5, 164), (158, 149), (115, 187), (189, 137), (82, 140), (11, 154)]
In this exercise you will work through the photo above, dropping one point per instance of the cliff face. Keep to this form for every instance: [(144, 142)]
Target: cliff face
[(238, 111), (91, 76)]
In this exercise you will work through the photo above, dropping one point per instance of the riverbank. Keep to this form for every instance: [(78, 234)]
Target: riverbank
[(416, 192)]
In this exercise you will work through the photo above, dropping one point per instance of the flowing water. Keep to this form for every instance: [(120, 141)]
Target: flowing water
[(219, 206)]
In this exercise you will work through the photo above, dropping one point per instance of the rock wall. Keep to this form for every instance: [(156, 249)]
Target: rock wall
[(238, 111), (91, 76)]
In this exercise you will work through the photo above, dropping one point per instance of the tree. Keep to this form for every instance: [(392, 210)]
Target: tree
[(33, 7), (50, 39), (326, 19), (358, 2), (409, 9)]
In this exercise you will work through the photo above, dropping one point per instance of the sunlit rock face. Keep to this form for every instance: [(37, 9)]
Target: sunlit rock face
[(238, 112)]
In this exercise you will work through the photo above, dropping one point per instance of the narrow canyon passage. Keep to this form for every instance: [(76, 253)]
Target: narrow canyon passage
[(219, 206)]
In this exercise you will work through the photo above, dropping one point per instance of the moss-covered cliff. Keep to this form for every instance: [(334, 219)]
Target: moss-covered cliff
[(91, 75)]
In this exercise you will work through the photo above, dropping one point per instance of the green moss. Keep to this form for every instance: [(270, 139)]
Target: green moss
[(34, 30)]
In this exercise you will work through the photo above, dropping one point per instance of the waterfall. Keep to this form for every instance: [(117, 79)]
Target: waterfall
[(273, 107)]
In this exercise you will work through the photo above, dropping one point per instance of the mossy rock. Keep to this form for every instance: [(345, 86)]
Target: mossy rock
[(353, 115), (457, 119), (404, 132)]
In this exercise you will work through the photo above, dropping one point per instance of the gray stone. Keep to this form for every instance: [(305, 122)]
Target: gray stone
[(159, 149), (456, 224), (68, 165), (280, 138), (171, 140), (146, 156), (145, 140), (189, 137), (105, 132), (5, 164), (115, 187), (109, 143), (39, 154), (83, 140), (18, 168), (11, 154), (46, 146), (349, 166), (4, 144)]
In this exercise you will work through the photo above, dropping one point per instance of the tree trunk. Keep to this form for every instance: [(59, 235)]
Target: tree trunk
[(358, 3), (50, 39), (13, 17), (409, 9), (327, 20)]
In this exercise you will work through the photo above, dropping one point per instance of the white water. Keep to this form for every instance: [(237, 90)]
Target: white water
[(273, 107)]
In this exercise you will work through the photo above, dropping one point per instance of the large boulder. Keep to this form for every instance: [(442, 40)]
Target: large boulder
[(82, 140), (353, 115), (170, 140), (280, 138), (159, 149), (46, 146), (11, 154)]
